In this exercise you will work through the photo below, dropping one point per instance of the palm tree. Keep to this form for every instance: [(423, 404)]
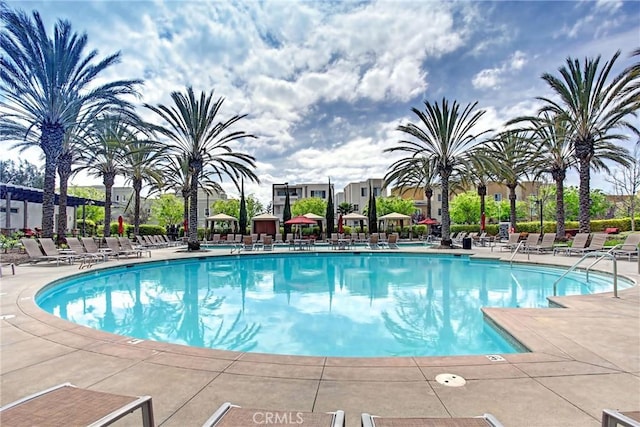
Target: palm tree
[(448, 139), (47, 83), (191, 126), (110, 138), (482, 170), (593, 108), (410, 173), (141, 164), (515, 156)]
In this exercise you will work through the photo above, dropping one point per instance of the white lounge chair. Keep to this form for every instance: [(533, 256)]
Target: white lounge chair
[(630, 246), (32, 247)]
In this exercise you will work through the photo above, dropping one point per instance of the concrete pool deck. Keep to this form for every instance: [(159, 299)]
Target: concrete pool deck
[(584, 358)]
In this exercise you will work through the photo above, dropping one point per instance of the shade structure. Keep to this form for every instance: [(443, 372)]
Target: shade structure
[(300, 220), (428, 221), (394, 216), (265, 224), (221, 217), (313, 216), (354, 216)]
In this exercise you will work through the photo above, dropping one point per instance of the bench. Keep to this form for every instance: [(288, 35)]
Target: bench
[(611, 230)]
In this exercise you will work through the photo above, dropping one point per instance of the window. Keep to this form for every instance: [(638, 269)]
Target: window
[(319, 193), (117, 197), (439, 211), (497, 197), (13, 210), (377, 191), (363, 191), (356, 208), (439, 197)]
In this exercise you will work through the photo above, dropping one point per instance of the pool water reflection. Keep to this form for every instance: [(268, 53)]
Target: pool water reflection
[(370, 304)]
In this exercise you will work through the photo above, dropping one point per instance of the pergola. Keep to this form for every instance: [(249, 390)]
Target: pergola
[(12, 192)]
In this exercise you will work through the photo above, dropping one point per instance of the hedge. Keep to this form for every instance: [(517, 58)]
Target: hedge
[(145, 229), (597, 225)]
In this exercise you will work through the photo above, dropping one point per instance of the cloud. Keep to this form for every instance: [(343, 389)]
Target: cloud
[(492, 77)]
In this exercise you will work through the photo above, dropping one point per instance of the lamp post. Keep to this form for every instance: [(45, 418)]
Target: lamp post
[(84, 216)]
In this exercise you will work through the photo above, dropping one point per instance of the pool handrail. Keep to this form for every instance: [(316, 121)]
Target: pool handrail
[(599, 254)]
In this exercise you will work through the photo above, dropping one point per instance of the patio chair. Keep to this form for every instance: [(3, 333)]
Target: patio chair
[(247, 243), (91, 247), (278, 238), (215, 239), (580, 242), (392, 241), (114, 245), (49, 248), (68, 405), (548, 239), (613, 418), (486, 420), (596, 244), (512, 243), (35, 253), (373, 242), (127, 245), (531, 241), (267, 243), (289, 238), (229, 415), (630, 246), (87, 258)]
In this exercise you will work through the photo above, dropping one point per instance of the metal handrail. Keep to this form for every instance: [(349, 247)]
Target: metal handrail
[(516, 251), (589, 255), (610, 251)]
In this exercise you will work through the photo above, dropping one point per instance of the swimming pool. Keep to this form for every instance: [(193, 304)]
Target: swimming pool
[(322, 304)]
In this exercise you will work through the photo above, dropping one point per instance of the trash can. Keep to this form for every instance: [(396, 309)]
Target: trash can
[(466, 243)]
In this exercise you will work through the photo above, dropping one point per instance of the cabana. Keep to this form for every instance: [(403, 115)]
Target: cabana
[(396, 217), (265, 224)]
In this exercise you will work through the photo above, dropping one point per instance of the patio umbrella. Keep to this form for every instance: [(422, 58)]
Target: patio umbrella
[(428, 222), (340, 226), (120, 225), (318, 219), (300, 220)]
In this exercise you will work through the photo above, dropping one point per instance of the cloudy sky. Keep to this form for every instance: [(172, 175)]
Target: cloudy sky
[(325, 84)]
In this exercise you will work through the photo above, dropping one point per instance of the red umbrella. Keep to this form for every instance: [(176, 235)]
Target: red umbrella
[(300, 220), (340, 227), (428, 221), (120, 225)]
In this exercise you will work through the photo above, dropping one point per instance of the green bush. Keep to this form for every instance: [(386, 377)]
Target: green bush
[(90, 227), (151, 229)]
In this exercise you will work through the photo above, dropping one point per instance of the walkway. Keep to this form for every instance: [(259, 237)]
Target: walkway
[(584, 358)]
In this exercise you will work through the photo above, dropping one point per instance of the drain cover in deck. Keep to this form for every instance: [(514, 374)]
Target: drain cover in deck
[(451, 380)]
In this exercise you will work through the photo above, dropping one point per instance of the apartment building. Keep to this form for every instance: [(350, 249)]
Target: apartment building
[(357, 193), (297, 192)]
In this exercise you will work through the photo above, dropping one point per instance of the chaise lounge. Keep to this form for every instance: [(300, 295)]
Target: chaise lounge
[(68, 405), (229, 415), (486, 420)]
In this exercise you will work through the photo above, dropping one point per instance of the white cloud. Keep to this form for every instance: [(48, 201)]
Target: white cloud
[(492, 77)]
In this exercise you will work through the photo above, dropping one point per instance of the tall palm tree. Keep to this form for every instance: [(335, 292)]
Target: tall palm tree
[(411, 173), (192, 127), (515, 156), (448, 138), (47, 83), (141, 164), (594, 106), (104, 155), (483, 169)]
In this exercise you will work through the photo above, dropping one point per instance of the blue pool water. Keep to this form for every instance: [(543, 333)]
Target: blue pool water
[(323, 304)]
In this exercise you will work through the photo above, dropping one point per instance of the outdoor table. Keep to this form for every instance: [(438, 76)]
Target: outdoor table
[(344, 243), (301, 244)]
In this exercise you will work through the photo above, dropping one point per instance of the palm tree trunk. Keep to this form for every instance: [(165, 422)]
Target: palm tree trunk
[(584, 216), (137, 187), (51, 144), (482, 192), (108, 180), (560, 229), (428, 192), (193, 211), (512, 204), (446, 220), (185, 211), (64, 172)]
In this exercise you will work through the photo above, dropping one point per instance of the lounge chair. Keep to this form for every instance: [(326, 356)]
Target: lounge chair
[(278, 238), (35, 253), (127, 245), (580, 242), (630, 246), (486, 420), (229, 415), (548, 239), (68, 405), (596, 244), (373, 242), (87, 258), (531, 241), (247, 243), (267, 243), (289, 238), (117, 250), (512, 243), (91, 247), (392, 242), (613, 418)]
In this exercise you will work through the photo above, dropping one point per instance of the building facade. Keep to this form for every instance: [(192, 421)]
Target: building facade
[(357, 193), (297, 192)]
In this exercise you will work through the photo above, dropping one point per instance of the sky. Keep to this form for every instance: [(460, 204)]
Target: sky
[(325, 85)]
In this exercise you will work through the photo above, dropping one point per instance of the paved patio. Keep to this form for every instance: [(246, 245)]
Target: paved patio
[(585, 357)]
